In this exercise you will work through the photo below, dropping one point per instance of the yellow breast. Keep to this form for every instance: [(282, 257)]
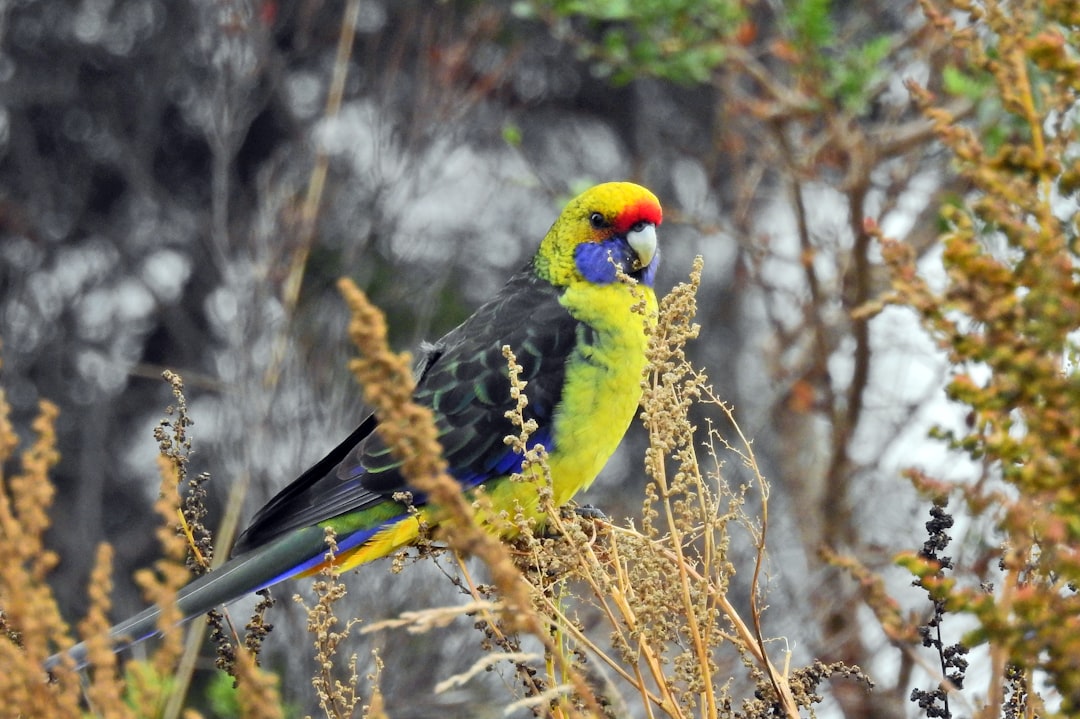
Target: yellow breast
[(603, 381)]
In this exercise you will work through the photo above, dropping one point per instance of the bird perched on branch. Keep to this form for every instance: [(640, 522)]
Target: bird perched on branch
[(578, 327)]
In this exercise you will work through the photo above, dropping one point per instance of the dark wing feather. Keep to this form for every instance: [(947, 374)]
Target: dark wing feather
[(287, 508), (463, 378)]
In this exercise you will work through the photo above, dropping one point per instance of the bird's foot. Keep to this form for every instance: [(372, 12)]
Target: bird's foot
[(585, 511), (588, 511)]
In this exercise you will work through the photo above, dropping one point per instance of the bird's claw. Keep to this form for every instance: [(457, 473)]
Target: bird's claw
[(588, 511)]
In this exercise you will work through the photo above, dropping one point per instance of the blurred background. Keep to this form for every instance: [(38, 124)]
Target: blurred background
[(181, 184)]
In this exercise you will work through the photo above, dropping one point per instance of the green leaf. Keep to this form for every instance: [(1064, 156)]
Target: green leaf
[(511, 134), (678, 40), (957, 82), (221, 695), (853, 79), (812, 24)]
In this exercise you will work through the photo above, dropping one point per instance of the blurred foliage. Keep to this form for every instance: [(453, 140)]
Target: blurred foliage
[(845, 72), (1008, 318), (677, 40), (686, 41)]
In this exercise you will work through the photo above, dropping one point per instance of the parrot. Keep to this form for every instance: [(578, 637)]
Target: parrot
[(579, 331)]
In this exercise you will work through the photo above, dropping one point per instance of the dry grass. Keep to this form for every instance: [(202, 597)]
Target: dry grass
[(32, 623), (29, 616)]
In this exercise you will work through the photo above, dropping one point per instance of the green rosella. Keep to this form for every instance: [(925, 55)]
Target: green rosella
[(570, 320)]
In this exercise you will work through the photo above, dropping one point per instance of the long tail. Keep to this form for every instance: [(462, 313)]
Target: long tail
[(288, 556)]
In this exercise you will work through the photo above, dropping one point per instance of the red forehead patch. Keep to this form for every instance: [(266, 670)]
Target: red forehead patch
[(644, 209)]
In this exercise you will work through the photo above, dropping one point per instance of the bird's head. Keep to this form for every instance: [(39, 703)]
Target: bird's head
[(607, 225)]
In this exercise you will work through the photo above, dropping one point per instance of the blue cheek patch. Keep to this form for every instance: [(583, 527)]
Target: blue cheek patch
[(594, 262), (594, 259)]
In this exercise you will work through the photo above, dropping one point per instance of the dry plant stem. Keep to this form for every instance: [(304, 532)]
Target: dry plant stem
[(409, 430), (424, 620), (690, 612), (337, 699), (196, 633), (309, 211), (488, 617), (185, 669), (622, 616), (160, 585), (745, 635), (26, 497), (557, 662), (752, 640), (481, 665), (999, 653), (619, 592), (750, 461), (29, 618), (374, 709), (105, 693), (625, 617), (257, 691), (193, 641), (176, 455)]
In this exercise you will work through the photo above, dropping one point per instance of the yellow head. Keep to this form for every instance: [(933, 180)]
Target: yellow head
[(609, 224)]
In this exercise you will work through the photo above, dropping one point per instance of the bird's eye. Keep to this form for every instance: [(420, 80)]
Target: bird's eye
[(597, 221)]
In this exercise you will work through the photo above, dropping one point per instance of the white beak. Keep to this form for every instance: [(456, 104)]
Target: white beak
[(643, 242)]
